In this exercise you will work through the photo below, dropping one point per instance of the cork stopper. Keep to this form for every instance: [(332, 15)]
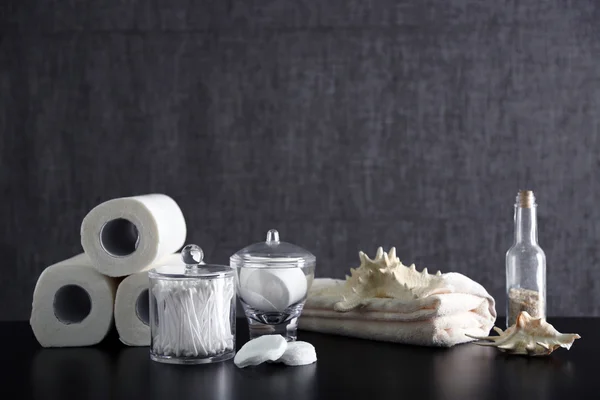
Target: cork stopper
[(525, 199)]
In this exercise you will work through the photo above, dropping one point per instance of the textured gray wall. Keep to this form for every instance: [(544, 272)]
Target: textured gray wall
[(344, 124)]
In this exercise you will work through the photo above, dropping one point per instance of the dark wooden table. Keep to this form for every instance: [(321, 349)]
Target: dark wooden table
[(347, 369)]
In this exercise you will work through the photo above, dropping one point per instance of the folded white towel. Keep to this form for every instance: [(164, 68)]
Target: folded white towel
[(441, 331), (459, 306)]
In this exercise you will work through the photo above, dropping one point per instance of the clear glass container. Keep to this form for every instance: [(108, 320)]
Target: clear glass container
[(525, 263), (192, 311), (273, 279)]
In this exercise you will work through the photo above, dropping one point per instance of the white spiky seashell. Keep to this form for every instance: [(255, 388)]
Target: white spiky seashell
[(383, 277), (528, 336)]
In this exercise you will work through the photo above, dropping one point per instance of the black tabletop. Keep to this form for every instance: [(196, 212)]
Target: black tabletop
[(346, 369)]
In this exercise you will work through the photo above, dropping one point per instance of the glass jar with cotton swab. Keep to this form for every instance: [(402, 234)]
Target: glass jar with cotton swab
[(192, 311)]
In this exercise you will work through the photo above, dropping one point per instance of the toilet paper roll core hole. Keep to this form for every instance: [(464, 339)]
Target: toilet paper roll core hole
[(142, 307), (119, 237), (72, 304)]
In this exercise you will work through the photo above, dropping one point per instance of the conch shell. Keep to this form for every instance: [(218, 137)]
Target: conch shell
[(529, 336)]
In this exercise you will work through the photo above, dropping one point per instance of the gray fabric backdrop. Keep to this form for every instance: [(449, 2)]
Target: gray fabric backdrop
[(346, 125)]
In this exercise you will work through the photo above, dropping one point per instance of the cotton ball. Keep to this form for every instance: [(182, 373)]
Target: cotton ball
[(261, 349), (298, 353)]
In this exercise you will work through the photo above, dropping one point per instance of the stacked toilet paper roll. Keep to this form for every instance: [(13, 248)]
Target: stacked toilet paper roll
[(128, 235), (74, 300), (132, 316), (72, 304)]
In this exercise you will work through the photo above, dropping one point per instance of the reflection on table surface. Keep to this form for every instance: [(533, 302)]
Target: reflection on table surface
[(463, 372), (96, 374), (60, 373), (347, 368)]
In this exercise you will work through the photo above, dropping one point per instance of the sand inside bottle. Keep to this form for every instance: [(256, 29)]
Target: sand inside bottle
[(520, 299)]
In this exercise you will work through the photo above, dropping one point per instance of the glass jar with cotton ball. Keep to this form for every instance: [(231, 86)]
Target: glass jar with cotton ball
[(273, 279), (192, 311)]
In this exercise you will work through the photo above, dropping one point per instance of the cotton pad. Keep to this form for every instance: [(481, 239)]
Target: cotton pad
[(261, 349), (298, 353), (272, 289)]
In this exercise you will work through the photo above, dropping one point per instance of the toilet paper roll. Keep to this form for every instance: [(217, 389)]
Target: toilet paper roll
[(72, 304), (132, 314), (127, 235)]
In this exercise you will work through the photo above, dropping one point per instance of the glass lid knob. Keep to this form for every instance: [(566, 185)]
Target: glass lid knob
[(192, 255), (272, 237)]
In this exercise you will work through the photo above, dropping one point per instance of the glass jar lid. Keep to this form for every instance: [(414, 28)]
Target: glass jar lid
[(273, 253), (191, 266)]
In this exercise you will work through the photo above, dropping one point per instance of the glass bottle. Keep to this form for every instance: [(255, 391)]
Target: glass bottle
[(525, 263)]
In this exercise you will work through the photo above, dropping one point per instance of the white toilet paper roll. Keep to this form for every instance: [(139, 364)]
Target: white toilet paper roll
[(270, 289), (72, 304), (132, 317), (127, 235)]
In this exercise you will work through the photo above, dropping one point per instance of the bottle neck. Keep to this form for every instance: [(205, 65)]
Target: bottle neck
[(526, 225)]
